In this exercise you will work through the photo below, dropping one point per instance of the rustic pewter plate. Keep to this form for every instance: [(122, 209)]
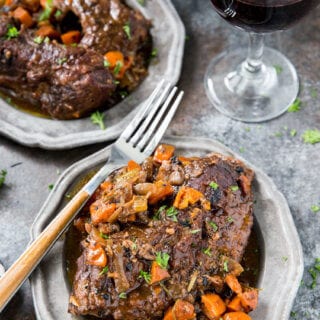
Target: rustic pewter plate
[(281, 265), (168, 37)]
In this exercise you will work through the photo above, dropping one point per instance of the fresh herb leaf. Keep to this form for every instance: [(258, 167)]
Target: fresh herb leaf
[(242, 149), (314, 272), (159, 211), (311, 136), (134, 245), (172, 212), (123, 94), (195, 231), (229, 219), (123, 295), (46, 40), (278, 134), (45, 14), (207, 251), (106, 63), (117, 68), (293, 132), (225, 266), (104, 236), (213, 225), (8, 100), (58, 13), (154, 53), (248, 129), (234, 188), (284, 259), (12, 32), (116, 82), (145, 275), (278, 68), (315, 208), (213, 185), (38, 39), (61, 61), (97, 118), (141, 2), (127, 30), (296, 106), (3, 175), (104, 270), (162, 259), (50, 186)]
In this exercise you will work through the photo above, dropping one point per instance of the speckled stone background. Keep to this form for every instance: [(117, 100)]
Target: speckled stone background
[(293, 165)]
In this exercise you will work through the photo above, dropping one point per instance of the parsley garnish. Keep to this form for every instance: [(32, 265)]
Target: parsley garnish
[(46, 13), (106, 63), (141, 2), (195, 231), (123, 295), (58, 13), (61, 61), (154, 52), (314, 272), (296, 106), (50, 186), (46, 40), (162, 259), (38, 40), (104, 236), (104, 270), (145, 275), (8, 100), (278, 68), (207, 251), (117, 68), (127, 30), (229, 220), (311, 136), (213, 225), (3, 174), (315, 208), (225, 266), (234, 188), (157, 215), (293, 132), (278, 134), (213, 185), (173, 212), (123, 94), (242, 149), (12, 32), (284, 259), (97, 118)]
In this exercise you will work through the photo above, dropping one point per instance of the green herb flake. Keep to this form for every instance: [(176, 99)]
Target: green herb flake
[(234, 188), (141, 2), (293, 132), (8, 100), (159, 211), (296, 106), (50, 186), (116, 82), (278, 69), (278, 134), (68, 195), (3, 175), (61, 61), (127, 30), (104, 271), (315, 208), (104, 236), (97, 118), (314, 272), (106, 63), (213, 225), (225, 266), (145, 275), (248, 129), (172, 213), (45, 14), (12, 32), (58, 13), (123, 94), (162, 259), (195, 231), (213, 185), (242, 149), (117, 68), (284, 259), (154, 53), (207, 251), (229, 219), (123, 295), (38, 40), (311, 136), (46, 40)]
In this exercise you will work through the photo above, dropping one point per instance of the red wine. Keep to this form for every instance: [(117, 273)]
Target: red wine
[(263, 15)]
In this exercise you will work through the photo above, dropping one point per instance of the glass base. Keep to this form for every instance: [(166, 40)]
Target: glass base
[(251, 97)]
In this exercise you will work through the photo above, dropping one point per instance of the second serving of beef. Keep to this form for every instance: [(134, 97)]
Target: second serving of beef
[(169, 230)]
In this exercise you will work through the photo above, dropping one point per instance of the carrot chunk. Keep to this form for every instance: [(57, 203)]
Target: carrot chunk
[(186, 196), (213, 306), (235, 304), (23, 16), (114, 58), (162, 190), (47, 31), (96, 256), (157, 273), (182, 310), (163, 152), (249, 299), (133, 165), (106, 185), (101, 212), (169, 314), (233, 283), (239, 315), (71, 37)]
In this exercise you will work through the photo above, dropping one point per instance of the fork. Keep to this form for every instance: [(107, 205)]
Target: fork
[(136, 142)]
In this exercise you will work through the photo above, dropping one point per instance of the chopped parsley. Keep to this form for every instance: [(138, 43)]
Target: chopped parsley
[(293, 132), (97, 118), (145, 275), (8, 100), (106, 63), (195, 231), (162, 259), (213, 225), (284, 259), (127, 30), (141, 2), (242, 149), (61, 61), (213, 185), (123, 94), (311, 136), (314, 272), (46, 40), (229, 219), (248, 129), (278, 134), (225, 266), (38, 40), (50, 186), (3, 175), (58, 13), (117, 68), (154, 53), (104, 271), (278, 68), (159, 211), (207, 251), (104, 236), (123, 295), (172, 212), (234, 188), (46, 13), (296, 106), (12, 32), (315, 208)]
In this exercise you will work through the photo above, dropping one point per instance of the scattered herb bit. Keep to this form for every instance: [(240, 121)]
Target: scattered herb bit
[(68, 195), (195, 231), (159, 211), (104, 236), (293, 132), (187, 38), (214, 226), (116, 82), (123, 295), (58, 13), (242, 149), (311, 136), (207, 251), (173, 212), (234, 188), (46, 40), (50, 186), (225, 266), (278, 68), (61, 61), (229, 219), (134, 244), (284, 259), (9, 100), (38, 40), (314, 272), (285, 128), (3, 175), (104, 271), (74, 45), (145, 275), (117, 68), (154, 53), (213, 185), (12, 32), (123, 94), (141, 2), (278, 134), (127, 30), (45, 14), (293, 314), (106, 63), (296, 106), (314, 93), (315, 208), (162, 259), (248, 129), (97, 118)]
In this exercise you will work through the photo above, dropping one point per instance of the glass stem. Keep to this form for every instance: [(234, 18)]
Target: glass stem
[(253, 63)]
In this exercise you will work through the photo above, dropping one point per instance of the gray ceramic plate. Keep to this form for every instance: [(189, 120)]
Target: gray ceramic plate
[(168, 36), (282, 261)]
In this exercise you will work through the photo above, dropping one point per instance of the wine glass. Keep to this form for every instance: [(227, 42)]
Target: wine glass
[(258, 84)]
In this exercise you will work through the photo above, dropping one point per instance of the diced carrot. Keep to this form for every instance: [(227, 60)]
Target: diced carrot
[(183, 310), (245, 184), (238, 315), (101, 212), (71, 37), (163, 152), (213, 306), (8, 2), (186, 196), (233, 283), (140, 203), (43, 3), (96, 256), (249, 299), (133, 165), (169, 314), (235, 304), (162, 190), (106, 185), (47, 31), (23, 16), (157, 273), (114, 57), (127, 64), (132, 217)]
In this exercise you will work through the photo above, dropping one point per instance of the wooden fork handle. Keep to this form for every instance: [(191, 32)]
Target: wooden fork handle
[(11, 281)]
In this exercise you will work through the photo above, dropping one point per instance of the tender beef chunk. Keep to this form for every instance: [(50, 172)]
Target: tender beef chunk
[(65, 81), (202, 242)]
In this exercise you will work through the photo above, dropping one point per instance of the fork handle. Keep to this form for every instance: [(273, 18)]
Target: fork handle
[(11, 281)]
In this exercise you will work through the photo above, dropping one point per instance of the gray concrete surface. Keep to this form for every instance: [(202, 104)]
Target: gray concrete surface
[(293, 165)]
